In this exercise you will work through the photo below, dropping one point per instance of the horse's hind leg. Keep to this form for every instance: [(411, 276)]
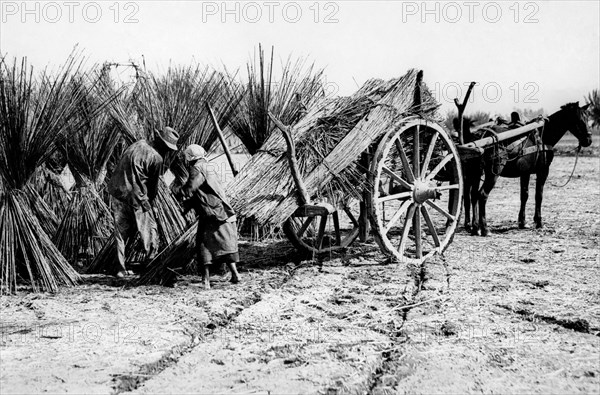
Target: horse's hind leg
[(484, 193), (539, 195), (467, 203), (474, 209), (524, 197)]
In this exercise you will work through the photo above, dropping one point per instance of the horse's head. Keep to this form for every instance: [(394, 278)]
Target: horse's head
[(574, 118)]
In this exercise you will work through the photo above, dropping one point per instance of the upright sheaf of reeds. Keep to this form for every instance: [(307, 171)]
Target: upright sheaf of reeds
[(34, 112), (177, 99), (286, 92), (87, 222)]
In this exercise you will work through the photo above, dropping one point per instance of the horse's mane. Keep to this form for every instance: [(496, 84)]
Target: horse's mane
[(573, 104)]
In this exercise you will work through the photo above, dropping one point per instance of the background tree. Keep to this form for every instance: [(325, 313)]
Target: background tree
[(594, 109)]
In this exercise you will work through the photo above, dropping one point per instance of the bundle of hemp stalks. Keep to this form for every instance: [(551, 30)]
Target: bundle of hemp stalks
[(330, 139), (35, 110)]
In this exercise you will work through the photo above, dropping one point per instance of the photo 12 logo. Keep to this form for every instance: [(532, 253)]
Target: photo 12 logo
[(470, 11), (270, 11), (488, 92), (68, 11)]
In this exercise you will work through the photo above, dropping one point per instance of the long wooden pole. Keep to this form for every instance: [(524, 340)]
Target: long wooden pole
[(484, 142), (222, 139), (291, 154)]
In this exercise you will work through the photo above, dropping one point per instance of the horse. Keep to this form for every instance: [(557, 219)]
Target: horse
[(528, 155), (471, 169)]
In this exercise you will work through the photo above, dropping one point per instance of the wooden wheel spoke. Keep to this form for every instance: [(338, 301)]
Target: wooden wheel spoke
[(407, 225), (447, 187), (396, 177), (416, 152), (431, 226), (305, 226), (396, 196), (404, 159), (441, 210), (429, 152), (397, 215), (417, 230), (440, 166)]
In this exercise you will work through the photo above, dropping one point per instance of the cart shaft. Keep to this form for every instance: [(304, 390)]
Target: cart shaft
[(488, 141)]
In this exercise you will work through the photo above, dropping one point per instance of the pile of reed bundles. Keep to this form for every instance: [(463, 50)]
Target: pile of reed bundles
[(330, 139), (35, 113)]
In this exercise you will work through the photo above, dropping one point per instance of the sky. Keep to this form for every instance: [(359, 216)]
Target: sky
[(522, 54)]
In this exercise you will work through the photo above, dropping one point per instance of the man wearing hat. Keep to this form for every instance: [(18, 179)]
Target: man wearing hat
[(133, 186), (216, 240)]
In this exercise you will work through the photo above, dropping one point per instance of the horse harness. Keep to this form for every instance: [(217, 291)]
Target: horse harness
[(524, 150)]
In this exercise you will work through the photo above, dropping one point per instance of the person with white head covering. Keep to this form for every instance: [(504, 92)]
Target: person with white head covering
[(216, 240)]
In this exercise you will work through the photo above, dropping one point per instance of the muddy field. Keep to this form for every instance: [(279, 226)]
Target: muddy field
[(517, 312)]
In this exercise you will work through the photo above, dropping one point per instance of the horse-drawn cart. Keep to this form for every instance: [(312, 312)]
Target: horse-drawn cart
[(394, 167), (410, 188)]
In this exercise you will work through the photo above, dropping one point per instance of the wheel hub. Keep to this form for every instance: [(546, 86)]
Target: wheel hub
[(423, 191)]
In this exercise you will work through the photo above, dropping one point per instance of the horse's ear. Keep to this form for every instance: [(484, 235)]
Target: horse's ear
[(584, 108)]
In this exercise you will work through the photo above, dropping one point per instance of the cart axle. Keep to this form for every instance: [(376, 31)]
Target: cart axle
[(423, 191)]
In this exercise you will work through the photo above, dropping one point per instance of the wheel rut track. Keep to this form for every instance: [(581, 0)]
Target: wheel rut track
[(132, 381)]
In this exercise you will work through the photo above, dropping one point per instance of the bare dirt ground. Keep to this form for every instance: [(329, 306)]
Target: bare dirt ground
[(517, 312)]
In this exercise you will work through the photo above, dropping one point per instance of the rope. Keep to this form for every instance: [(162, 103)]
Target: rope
[(495, 155), (572, 172)]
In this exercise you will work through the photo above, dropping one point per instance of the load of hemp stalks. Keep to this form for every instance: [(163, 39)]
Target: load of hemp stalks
[(330, 140), (35, 111), (88, 222), (176, 99), (323, 127)]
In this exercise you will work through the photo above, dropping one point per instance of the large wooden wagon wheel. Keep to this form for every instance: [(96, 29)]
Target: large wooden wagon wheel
[(321, 229), (416, 191)]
